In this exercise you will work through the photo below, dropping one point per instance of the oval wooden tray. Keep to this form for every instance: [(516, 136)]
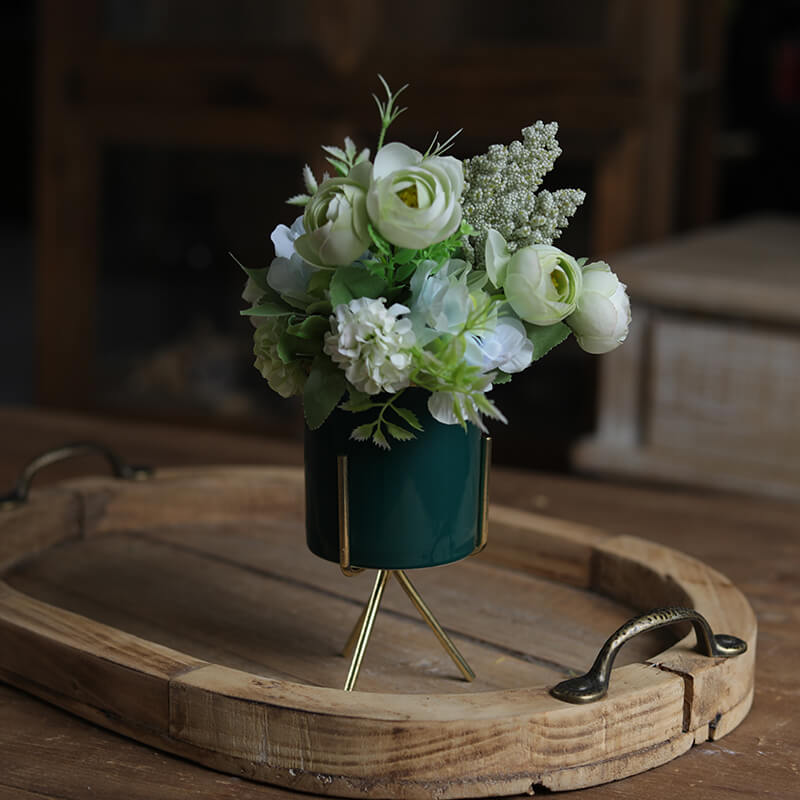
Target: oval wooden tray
[(185, 612)]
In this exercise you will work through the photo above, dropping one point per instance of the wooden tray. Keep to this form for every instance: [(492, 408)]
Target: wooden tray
[(185, 612)]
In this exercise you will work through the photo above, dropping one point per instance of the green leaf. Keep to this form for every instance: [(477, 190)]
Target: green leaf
[(339, 166), (404, 272), (319, 281), (379, 241), (404, 255), (401, 434), (500, 378), (324, 388), (291, 347), (267, 308), (309, 180), (285, 348), (294, 302), (409, 416), (258, 276), (310, 328), (334, 151), (321, 307), (477, 279), (545, 337), (380, 439), (358, 401), (362, 432), (298, 199), (352, 281)]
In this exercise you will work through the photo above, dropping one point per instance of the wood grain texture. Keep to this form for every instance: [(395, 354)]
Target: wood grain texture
[(50, 754), (150, 556)]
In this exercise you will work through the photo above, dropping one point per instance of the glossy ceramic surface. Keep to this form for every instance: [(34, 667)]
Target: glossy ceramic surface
[(417, 505)]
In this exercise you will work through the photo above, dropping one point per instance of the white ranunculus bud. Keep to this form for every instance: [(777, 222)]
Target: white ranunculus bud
[(542, 284), (413, 201), (335, 220), (603, 314)]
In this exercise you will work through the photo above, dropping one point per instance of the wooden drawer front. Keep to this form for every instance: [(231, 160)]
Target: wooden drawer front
[(724, 388)]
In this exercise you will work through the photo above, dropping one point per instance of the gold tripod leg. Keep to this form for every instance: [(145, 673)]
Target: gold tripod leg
[(427, 615), (366, 629), (347, 650)]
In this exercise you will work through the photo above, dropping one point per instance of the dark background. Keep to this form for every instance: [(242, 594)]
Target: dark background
[(161, 293)]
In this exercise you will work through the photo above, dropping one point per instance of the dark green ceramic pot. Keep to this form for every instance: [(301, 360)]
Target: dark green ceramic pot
[(417, 505)]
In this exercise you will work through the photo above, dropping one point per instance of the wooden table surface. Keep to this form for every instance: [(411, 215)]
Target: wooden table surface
[(47, 754)]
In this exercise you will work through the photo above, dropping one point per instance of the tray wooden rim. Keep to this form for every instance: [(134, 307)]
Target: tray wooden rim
[(500, 742)]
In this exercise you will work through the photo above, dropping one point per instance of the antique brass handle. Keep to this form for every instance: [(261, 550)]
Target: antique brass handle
[(594, 684), (119, 468)]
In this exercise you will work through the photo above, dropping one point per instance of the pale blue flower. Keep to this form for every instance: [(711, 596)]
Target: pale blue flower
[(440, 303), (506, 347), (288, 273)]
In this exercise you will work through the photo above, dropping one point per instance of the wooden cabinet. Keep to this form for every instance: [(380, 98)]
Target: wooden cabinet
[(707, 390)]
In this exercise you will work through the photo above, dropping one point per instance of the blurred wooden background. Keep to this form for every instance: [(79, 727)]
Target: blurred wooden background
[(169, 132)]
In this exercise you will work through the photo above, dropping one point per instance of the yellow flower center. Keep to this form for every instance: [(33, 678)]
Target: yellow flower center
[(559, 280), (409, 196)]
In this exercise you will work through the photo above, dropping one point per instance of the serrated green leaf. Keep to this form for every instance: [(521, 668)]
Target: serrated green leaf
[(310, 328), (501, 378), (362, 432), (351, 281), (324, 388), (339, 166), (298, 199), (309, 180), (409, 416), (349, 147), (401, 434), (545, 337), (334, 151), (380, 439)]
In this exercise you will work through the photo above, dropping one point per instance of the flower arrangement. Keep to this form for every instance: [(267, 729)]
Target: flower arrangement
[(418, 269)]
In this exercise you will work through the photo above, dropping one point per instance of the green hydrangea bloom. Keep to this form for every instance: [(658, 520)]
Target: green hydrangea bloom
[(286, 379)]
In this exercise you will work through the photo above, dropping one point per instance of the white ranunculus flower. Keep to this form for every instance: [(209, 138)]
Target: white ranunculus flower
[(506, 347), (413, 201), (603, 314), (285, 379), (335, 220), (289, 274), (372, 344), (542, 284)]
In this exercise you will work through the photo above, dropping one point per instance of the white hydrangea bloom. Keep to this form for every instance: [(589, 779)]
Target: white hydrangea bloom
[(285, 379), (372, 344)]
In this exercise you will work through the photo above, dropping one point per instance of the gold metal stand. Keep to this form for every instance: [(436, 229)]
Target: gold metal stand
[(359, 637)]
